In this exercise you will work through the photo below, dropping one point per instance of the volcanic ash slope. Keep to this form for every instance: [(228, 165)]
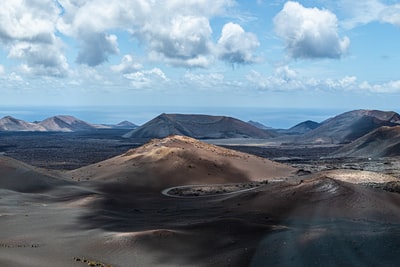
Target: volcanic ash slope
[(351, 125), (383, 142), (178, 160), (18, 176), (198, 126)]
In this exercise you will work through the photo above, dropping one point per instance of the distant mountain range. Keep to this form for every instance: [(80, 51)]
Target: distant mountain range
[(198, 126), (60, 123), (9, 123), (349, 126), (340, 129), (366, 132)]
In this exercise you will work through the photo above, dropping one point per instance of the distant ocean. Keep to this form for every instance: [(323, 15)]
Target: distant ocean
[(272, 117)]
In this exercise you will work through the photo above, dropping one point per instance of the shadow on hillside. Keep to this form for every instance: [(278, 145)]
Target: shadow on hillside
[(277, 225)]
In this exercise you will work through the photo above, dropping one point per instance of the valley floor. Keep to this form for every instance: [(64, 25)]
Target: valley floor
[(318, 222), (326, 213)]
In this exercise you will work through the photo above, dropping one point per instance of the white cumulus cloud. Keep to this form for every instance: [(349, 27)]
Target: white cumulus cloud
[(367, 11), (175, 32), (27, 30), (286, 73), (96, 47), (360, 12), (345, 83), (387, 87), (147, 78), (237, 46), (89, 22), (37, 33), (180, 41), (286, 79), (391, 14), (41, 59), (310, 32), (28, 20), (127, 65)]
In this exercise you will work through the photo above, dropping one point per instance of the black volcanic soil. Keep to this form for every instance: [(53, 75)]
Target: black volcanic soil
[(65, 150), (283, 152), (307, 220), (309, 158), (319, 222)]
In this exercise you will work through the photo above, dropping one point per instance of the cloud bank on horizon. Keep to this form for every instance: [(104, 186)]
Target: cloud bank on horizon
[(104, 50)]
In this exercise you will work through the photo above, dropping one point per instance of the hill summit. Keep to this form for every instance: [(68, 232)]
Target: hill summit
[(9, 123), (180, 160), (351, 125), (197, 126), (64, 123)]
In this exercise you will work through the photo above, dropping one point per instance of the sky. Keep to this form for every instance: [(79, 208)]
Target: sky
[(334, 54)]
